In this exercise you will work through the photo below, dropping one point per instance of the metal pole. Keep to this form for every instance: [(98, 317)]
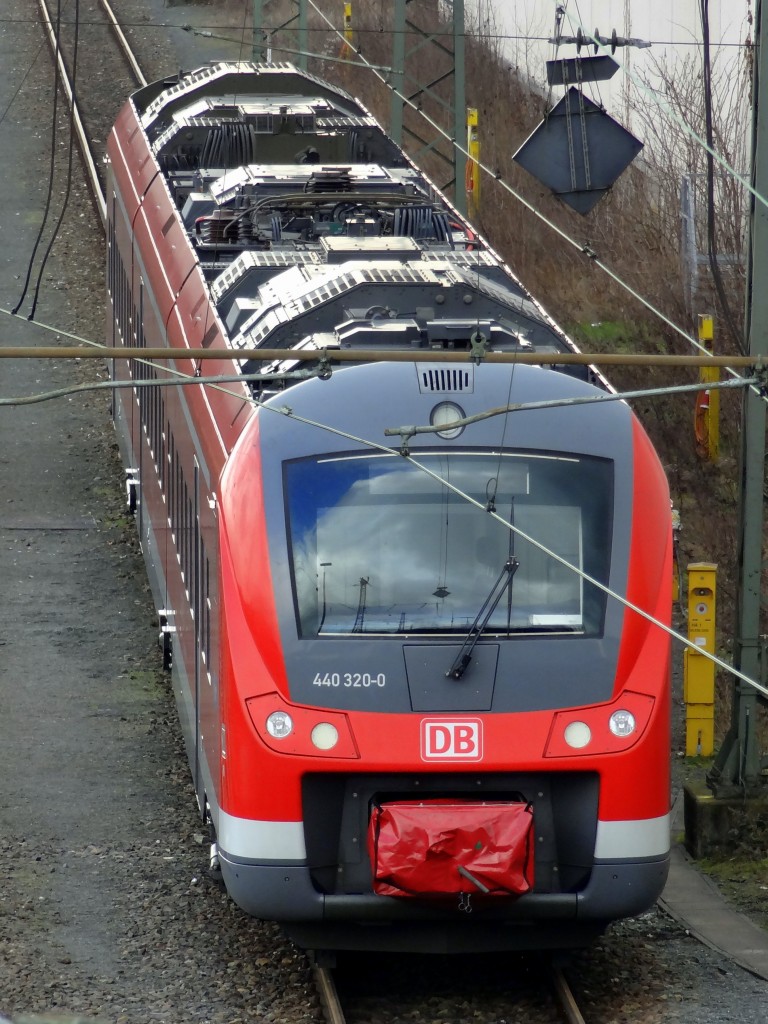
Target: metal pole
[(459, 108), (738, 763), (402, 53), (301, 60), (257, 41), (398, 73)]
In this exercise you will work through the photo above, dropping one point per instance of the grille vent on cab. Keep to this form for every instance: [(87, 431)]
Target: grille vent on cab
[(445, 380)]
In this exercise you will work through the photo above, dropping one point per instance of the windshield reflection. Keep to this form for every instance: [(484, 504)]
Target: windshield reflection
[(378, 546)]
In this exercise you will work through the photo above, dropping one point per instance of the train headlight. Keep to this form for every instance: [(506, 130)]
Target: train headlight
[(279, 725), (325, 736), (622, 723), (445, 414), (577, 735), (301, 732), (602, 729)]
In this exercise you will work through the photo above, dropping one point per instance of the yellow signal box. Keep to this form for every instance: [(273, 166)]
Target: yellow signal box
[(707, 417), (472, 168), (698, 670)]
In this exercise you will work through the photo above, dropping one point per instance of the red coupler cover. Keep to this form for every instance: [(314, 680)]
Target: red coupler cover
[(441, 848)]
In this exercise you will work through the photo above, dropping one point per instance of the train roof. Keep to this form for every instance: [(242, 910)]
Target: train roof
[(313, 229)]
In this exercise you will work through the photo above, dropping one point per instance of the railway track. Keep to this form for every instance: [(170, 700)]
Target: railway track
[(529, 988), (565, 998), (328, 995), (92, 121), (87, 50), (94, 130)]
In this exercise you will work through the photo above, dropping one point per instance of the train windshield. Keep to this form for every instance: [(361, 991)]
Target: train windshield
[(380, 545)]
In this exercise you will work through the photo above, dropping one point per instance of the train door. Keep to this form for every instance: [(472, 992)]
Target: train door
[(124, 400), (196, 601), (111, 278), (207, 726), (139, 371)]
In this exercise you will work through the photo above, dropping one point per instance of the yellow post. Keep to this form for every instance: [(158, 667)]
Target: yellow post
[(473, 170), (707, 420), (347, 48), (698, 671)]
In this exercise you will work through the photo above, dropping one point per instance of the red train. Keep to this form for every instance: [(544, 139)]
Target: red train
[(407, 685)]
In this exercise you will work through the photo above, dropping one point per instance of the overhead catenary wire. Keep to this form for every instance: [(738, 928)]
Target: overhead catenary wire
[(99, 351), (631, 606), (584, 249), (560, 357), (558, 403), (659, 100), (89, 349), (179, 378), (208, 28), (367, 442)]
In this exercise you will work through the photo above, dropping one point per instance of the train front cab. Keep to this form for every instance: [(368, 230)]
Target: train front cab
[(295, 817)]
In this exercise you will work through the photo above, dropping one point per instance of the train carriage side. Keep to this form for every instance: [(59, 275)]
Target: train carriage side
[(173, 440)]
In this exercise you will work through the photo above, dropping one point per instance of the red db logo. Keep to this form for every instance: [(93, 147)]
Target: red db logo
[(451, 739)]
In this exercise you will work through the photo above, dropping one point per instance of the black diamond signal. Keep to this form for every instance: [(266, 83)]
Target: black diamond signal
[(578, 151)]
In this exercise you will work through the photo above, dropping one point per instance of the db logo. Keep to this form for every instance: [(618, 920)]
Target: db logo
[(451, 739)]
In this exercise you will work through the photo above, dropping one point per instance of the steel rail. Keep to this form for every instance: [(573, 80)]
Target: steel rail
[(125, 46), (565, 998), (80, 133), (329, 996), (85, 150), (286, 355)]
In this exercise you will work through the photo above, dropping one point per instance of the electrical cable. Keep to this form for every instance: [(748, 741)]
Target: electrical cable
[(70, 163), (52, 165), (672, 633), (287, 411), (243, 27), (595, 85), (580, 247), (558, 403), (660, 102), (207, 29), (613, 358)]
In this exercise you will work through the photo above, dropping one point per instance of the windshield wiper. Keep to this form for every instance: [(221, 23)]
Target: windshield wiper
[(463, 658)]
